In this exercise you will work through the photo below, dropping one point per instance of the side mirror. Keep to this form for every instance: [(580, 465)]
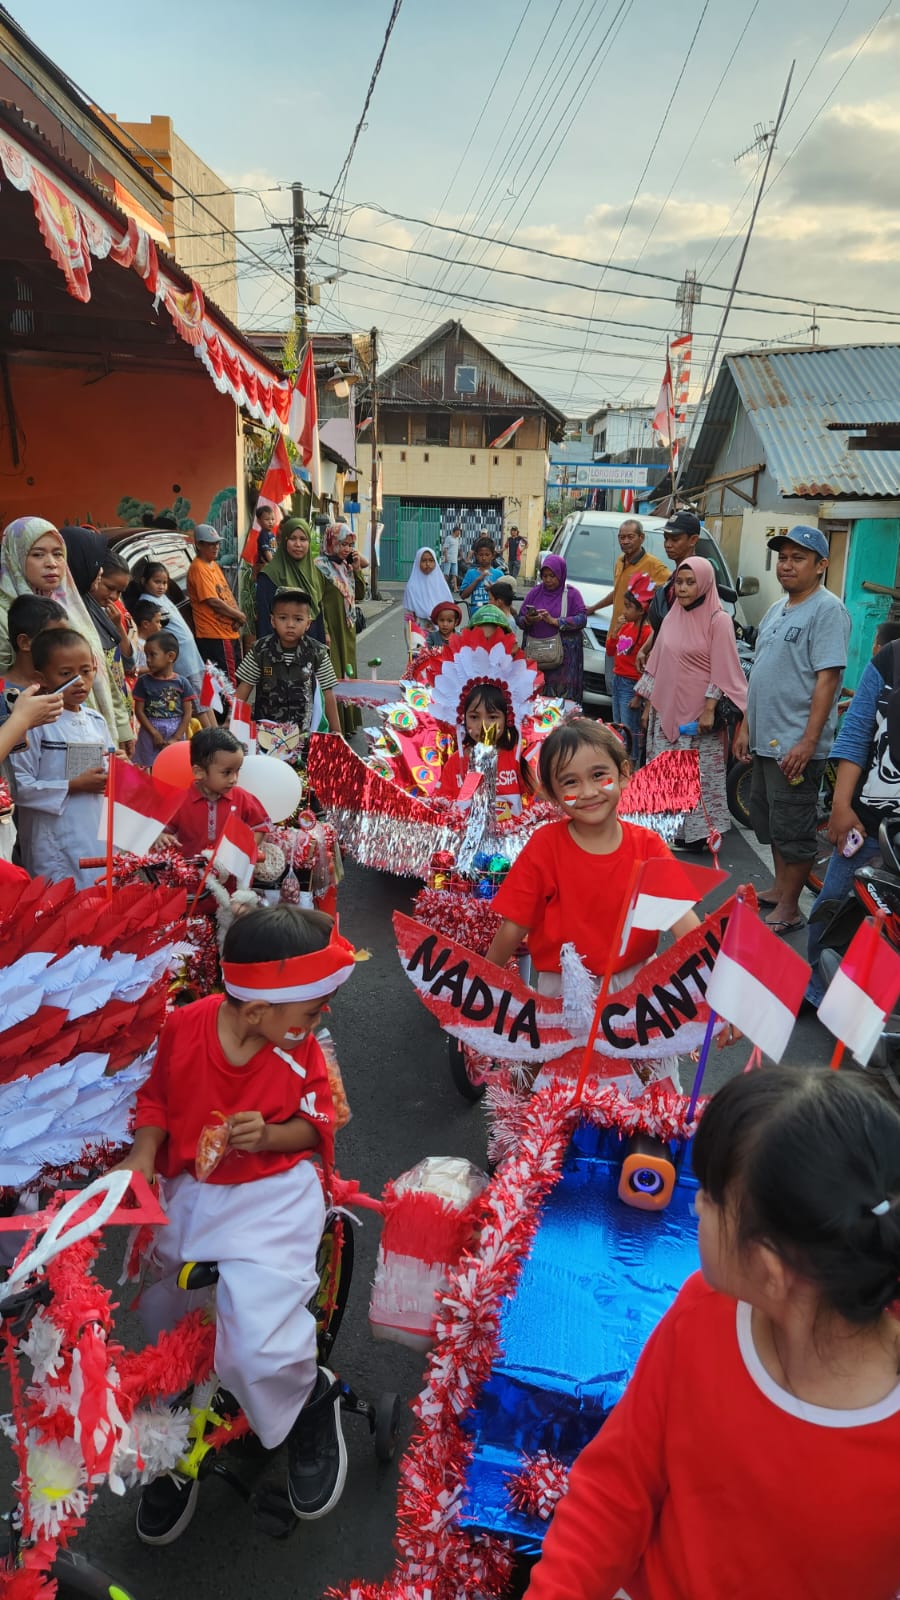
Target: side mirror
[(748, 586), (726, 594)]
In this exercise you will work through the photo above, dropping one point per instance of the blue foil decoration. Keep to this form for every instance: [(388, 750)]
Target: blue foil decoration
[(599, 1277)]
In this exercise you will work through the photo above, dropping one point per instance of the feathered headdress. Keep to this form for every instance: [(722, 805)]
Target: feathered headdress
[(469, 659)]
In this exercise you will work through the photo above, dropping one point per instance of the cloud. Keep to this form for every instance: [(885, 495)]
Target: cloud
[(884, 40), (851, 158)]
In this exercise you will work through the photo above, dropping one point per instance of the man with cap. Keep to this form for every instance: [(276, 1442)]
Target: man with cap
[(680, 536), (634, 559), (801, 653), (217, 619)]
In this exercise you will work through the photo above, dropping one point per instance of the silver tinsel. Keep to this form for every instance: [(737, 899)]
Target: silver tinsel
[(668, 824), (482, 834)]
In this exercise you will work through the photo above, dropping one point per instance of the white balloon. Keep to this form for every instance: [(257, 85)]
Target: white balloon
[(273, 783)]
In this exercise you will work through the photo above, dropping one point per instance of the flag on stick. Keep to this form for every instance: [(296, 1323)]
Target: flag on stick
[(141, 809), (236, 852), (664, 415), (862, 992), (758, 982), (241, 724), (210, 698), (303, 420), (665, 890)]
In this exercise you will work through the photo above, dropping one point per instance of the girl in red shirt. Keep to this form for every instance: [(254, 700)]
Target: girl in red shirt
[(756, 1450), (568, 884), (485, 709)]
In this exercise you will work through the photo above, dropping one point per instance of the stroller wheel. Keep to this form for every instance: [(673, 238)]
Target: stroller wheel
[(388, 1413), (459, 1071)]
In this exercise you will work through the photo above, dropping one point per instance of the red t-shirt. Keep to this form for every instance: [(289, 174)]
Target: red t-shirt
[(192, 1079), (562, 895), (198, 822), (625, 651), (708, 1482)]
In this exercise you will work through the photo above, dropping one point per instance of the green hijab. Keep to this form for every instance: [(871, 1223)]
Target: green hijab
[(287, 573)]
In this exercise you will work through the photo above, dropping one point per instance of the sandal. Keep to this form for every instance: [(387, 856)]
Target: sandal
[(782, 929)]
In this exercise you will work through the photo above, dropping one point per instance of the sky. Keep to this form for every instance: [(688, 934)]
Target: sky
[(610, 130)]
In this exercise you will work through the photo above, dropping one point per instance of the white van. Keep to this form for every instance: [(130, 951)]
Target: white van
[(588, 542)]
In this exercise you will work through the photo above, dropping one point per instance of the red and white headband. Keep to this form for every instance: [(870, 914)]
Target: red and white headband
[(295, 978)]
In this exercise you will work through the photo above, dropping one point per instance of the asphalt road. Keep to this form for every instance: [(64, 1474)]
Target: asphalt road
[(404, 1107)]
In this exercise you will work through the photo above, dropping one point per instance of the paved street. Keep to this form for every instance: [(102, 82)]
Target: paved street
[(404, 1107)]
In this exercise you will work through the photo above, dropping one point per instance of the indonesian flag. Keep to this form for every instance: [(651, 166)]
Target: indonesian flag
[(507, 434), (862, 992), (303, 420), (142, 809), (210, 698), (241, 724), (665, 890), (664, 415), (681, 350), (758, 982), (236, 852)]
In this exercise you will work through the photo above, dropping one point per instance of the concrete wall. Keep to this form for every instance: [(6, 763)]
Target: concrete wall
[(89, 445), (441, 472)]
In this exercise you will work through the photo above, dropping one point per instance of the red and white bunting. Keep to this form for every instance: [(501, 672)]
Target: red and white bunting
[(758, 982), (210, 698), (862, 992), (681, 352)]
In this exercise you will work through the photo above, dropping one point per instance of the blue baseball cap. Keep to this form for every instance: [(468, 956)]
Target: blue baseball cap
[(809, 538)]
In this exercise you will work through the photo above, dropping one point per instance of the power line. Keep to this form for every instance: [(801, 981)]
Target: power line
[(342, 175)]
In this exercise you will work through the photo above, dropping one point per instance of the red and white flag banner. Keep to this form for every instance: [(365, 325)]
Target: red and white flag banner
[(664, 415), (507, 434), (241, 724), (662, 1013), (665, 891), (303, 419), (758, 982), (236, 852), (142, 809), (681, 350), (862, 992)]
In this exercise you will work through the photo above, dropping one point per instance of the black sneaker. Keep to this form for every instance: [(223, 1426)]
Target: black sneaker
[(166, 1507), (317, 1455)]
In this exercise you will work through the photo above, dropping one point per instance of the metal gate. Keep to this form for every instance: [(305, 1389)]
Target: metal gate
[(407, 528)]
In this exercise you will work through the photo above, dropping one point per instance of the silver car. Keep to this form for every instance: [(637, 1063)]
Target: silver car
[(588, 542)]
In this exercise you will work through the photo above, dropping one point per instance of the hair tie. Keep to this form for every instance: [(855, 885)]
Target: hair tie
[(882, 1208)]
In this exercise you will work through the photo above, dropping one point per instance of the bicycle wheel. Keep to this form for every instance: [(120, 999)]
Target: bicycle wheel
[(77, 1577), (737, 792), (334, 1264), (459, 1071)]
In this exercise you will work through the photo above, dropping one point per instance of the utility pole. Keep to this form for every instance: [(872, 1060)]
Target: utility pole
[(768, 140), (814, 329), (373, 486), (301, 286)]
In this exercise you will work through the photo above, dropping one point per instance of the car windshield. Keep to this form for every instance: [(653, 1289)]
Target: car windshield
[(592, 551)]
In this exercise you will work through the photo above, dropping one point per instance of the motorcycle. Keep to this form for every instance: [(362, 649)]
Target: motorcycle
[(876, 888)]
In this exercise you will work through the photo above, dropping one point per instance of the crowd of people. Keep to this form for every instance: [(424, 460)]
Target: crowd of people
[(787, 1347)]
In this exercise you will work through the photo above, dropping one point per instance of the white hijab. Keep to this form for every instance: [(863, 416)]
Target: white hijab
[(423, 590)]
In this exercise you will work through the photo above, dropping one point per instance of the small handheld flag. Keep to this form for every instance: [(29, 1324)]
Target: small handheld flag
[(758, 982), (862, 992)]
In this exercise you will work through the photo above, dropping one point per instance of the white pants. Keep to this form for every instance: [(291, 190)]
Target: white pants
[(264, 1237)]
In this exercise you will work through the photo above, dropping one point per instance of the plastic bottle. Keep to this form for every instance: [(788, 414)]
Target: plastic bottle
[(689, 729), (777, 752)]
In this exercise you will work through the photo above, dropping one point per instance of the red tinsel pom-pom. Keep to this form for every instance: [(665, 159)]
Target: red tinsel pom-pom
[(539, 1485)]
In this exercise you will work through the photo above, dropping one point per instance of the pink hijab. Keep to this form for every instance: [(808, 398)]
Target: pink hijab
[(693, 649)]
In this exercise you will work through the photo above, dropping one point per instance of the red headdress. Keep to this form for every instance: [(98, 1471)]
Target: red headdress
[(293, 978)]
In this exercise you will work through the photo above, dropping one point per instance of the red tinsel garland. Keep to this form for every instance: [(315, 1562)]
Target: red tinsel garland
[(539, 1485)]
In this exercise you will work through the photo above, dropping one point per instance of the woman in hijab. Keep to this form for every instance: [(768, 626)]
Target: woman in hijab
[(692, 674), (426, 588), (553, 617), (33, 561), (342, 590), (100, 578), (291, 567)]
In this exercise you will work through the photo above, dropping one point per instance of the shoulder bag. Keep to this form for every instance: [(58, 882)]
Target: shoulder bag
[(548, 653)]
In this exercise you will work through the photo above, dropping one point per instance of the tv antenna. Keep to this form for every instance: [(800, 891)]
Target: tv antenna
[(763, 134)]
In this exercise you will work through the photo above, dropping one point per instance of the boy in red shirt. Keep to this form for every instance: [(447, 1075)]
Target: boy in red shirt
[(626, 638), (248, 1061), (216, 760)]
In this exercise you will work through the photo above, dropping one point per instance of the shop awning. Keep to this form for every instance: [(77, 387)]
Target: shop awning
[(78, 224)]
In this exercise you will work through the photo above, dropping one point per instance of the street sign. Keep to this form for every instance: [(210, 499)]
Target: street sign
[(600, 475)]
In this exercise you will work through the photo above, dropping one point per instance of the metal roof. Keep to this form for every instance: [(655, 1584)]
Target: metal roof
[(791, 397)]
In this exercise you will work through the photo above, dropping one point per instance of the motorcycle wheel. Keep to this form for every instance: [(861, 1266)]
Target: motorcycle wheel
[(737, 791), (459, 1072)]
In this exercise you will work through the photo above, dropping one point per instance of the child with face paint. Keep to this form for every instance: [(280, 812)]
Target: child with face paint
[(569, 882)]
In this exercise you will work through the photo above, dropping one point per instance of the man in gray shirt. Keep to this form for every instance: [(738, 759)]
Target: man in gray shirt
[(801, 653)]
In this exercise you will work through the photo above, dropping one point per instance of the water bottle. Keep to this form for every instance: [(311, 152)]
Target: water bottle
[(776, 750), (689, 729)]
